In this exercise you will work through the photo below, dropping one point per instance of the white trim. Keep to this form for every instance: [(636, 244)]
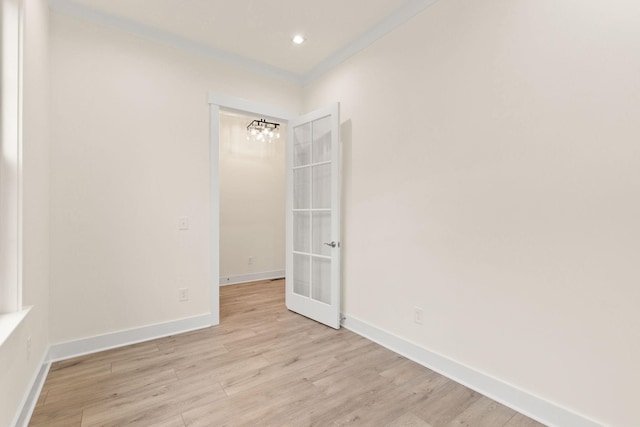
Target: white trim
[(214, 212), (401, 15), (251, 277), (11, 103), (216, 102), (509, 395), (32, 394), (98, 343), (91, 14), (246, 106), (9, 322), (95, 344), (410, 9), (19, 173)]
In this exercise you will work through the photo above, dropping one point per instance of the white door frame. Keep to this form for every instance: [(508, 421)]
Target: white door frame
[(216, 102)]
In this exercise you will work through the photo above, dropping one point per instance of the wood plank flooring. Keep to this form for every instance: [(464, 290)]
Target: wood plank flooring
[(262, 366)]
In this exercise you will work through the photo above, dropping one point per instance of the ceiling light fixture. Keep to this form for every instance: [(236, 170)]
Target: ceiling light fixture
[(298, 39), (262, 131)]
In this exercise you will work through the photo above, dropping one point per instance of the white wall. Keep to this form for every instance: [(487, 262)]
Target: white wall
[(18, 365), (491, 178), (252, 200), (130, 154)]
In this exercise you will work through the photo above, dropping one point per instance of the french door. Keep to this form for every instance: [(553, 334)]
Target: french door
[(313, 216)]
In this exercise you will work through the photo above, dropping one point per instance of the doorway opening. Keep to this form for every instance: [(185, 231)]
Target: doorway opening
[(312, 218), (221, 109), (252, 202)]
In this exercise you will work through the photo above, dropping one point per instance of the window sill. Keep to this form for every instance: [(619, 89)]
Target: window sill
[(10, 322)]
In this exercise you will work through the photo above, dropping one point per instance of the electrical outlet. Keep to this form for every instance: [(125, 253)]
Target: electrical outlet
[(250, 260), (418, 315), (183, 294), (183, 223)]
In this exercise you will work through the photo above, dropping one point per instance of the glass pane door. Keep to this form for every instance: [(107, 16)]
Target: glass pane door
[(313, 253), (312, 209)]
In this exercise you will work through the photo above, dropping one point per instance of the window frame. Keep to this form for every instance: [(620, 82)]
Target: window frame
[(11, 79)]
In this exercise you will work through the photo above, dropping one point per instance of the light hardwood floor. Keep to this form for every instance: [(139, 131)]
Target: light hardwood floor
[(262, 366)]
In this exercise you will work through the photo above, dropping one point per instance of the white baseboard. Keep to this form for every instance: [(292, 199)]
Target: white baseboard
[(251, 277), (30, 399), (90, 345), (526, 403)]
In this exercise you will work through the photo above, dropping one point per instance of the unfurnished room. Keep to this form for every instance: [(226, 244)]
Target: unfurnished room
[(294, 213)]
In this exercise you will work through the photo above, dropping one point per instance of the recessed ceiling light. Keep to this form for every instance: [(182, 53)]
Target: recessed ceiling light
[(298, 39)]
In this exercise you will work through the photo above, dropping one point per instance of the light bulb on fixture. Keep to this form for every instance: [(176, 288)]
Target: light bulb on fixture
[(298, 39), (262, 130)]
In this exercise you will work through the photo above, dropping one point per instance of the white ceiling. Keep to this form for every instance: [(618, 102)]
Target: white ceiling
[(256, 33)]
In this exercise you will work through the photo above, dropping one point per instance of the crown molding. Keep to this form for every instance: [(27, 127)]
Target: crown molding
[(410, 9), (68, 7)]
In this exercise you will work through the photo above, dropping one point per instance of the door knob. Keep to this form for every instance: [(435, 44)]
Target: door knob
[(332, 244)]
